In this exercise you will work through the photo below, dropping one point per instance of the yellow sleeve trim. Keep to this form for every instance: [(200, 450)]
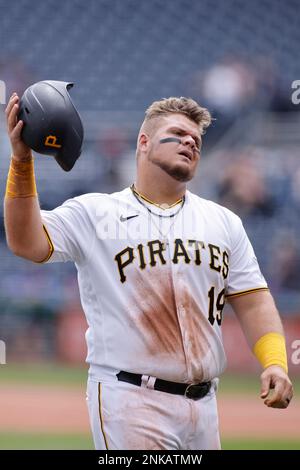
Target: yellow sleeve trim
[(51, 247), (270, 350), (245, 292)]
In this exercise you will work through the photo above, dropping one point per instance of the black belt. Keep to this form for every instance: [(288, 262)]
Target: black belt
[(193, 391)]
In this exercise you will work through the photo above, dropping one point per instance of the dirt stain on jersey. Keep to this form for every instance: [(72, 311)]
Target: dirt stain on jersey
[(171, 323), (198, 336), (153, 311)]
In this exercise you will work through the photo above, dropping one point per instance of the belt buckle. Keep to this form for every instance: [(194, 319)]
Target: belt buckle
[(187, 392), (203, 391)]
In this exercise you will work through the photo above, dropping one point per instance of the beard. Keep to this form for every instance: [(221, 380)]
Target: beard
[(178, 172)]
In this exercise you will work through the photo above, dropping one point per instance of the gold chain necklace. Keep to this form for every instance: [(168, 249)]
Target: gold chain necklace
[(164, 240), (139, 197)]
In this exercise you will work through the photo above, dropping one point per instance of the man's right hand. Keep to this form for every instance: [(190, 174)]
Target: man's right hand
[(20, 151)]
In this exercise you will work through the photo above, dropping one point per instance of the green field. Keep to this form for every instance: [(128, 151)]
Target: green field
[(48, 374), (252, 444), (28, 441), (39, 441)]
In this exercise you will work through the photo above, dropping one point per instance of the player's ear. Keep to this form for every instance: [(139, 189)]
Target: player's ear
[(143, 142)]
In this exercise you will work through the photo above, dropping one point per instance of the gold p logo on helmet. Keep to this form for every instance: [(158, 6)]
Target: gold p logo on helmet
[(51, 140)]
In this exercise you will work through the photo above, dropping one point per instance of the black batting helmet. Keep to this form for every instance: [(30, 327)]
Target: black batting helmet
[(52, 125)]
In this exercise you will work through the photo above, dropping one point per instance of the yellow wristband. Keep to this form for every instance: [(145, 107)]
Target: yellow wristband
[(270, 350), (21, 180)]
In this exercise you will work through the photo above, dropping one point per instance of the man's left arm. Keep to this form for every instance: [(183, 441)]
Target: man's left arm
[(263, 330)]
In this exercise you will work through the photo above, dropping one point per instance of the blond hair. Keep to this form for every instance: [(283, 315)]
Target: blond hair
[(186, 106)]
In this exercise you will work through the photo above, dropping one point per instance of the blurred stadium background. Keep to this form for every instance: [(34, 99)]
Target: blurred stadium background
[(239, 59)]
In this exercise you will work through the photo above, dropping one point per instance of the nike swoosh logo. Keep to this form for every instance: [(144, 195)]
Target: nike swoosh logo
[(123, 219)]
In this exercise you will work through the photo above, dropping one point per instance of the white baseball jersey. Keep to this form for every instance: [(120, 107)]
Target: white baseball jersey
[(153, 285)]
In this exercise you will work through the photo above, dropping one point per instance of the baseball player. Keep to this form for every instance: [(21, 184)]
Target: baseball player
[(155, 264)]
